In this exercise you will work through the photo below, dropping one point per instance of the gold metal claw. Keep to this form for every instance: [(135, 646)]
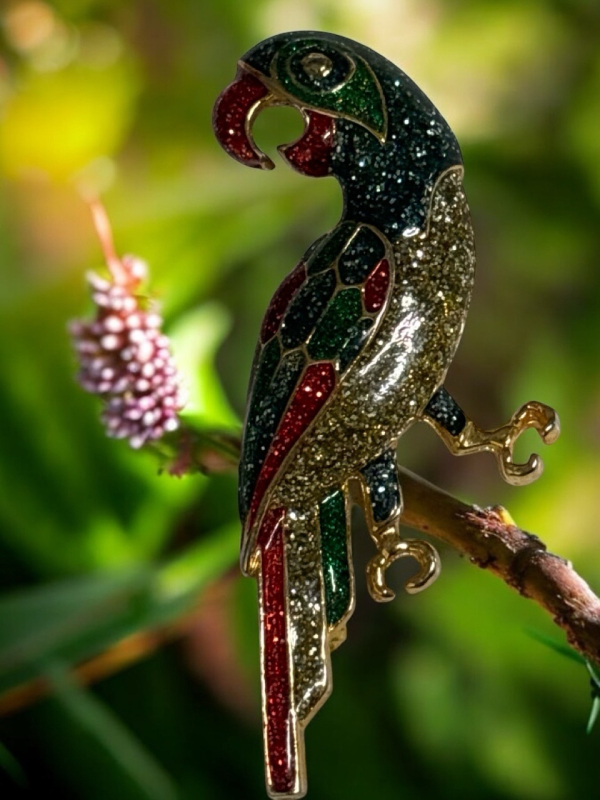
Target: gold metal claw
[(391, 547), (532, 415), (502, 441)]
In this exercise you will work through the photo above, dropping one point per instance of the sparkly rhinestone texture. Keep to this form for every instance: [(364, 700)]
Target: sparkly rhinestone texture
[(353, 347), (311, 154), (232, 115), (279, 732)]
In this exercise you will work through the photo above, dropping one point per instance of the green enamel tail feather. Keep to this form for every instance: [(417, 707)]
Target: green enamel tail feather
[(335, 557)]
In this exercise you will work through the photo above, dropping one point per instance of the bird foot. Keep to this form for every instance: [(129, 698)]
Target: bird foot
[(501, 441), (391, 547)]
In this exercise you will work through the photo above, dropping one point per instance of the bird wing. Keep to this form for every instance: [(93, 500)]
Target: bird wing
[(319, 320)]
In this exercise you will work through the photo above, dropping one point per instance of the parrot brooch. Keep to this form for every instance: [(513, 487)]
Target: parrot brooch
[(353, 349)]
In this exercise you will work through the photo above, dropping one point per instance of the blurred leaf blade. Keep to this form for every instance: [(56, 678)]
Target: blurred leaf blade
[(76, 619), (98, 722), (11, 767), (554, 644)]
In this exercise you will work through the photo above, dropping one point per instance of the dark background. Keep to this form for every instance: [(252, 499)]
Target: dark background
[(446, 694)]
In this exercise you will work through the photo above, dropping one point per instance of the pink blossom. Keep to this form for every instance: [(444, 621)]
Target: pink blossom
[(123, 355)]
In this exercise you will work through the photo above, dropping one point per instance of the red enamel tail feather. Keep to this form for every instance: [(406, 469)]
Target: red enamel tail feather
[(280, 729)]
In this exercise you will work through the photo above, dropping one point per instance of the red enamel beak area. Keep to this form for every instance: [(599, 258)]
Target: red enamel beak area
[(235, 111), (311, 153), (233, 114)]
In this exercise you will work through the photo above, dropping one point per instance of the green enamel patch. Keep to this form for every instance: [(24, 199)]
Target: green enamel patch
[(337, 325), (358, 96), (335, 557)]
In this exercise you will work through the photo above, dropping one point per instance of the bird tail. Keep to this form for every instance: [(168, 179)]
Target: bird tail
[(306, 592)]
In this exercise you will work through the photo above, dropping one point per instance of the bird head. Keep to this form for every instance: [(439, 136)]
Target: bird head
[(318, 74), (366, 122)]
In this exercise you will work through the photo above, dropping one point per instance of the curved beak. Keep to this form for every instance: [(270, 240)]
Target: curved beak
[(234, 112), (238, 106)]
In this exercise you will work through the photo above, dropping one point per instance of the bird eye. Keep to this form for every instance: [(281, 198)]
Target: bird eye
[(319, 67)]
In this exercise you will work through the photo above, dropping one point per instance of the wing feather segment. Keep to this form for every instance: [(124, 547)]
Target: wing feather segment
[(319, 320)]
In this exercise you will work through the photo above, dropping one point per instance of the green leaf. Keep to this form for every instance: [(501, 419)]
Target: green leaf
[(564, 650), (593, 715), (67, 619), (195, 339), (97, 721), (72, 620), (595, 710), (11, 766), (556, 645)]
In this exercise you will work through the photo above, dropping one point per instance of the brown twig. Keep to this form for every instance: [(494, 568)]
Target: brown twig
[(491, 540)]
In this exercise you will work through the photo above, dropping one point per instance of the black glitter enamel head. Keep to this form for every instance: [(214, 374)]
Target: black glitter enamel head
[(384, 138)]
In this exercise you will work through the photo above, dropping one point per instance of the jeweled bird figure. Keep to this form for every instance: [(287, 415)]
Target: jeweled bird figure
[(353, 349)]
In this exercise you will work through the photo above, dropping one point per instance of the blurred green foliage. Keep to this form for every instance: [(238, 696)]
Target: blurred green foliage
[(440, 695)]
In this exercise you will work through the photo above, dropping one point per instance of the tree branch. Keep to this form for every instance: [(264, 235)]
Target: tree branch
[(491, 540)]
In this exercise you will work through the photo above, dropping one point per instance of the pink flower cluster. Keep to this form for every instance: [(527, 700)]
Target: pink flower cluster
[(123, 355)]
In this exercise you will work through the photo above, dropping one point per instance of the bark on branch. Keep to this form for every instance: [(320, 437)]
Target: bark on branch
[(491, 540)]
